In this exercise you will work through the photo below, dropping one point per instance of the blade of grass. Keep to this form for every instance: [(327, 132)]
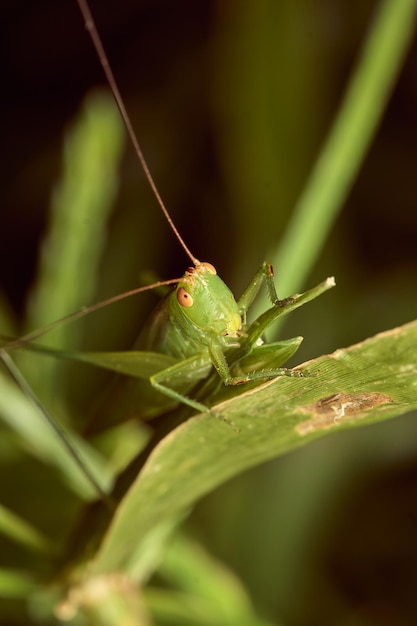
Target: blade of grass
[(79, 210), (39, 440), (15, 584), (22, 532), (350, 137)]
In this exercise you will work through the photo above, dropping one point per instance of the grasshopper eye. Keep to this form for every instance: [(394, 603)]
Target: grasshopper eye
[(184, 298)]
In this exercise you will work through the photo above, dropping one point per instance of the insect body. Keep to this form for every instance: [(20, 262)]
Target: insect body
[(198, 323), (198, 327)]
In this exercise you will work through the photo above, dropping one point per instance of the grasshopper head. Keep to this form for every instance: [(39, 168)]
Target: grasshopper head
[(207, 302)]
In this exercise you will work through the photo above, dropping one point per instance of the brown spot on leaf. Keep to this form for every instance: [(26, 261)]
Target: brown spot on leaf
[(332, 410)]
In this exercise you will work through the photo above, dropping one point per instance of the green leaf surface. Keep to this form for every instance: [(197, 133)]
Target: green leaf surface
[(365, 383)]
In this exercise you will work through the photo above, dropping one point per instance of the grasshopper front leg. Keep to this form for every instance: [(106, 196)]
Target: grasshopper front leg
[(257, 329), (279, 307), (263, 276)]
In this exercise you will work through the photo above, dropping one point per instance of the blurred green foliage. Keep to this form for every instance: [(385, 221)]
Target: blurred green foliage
[(232, 103)]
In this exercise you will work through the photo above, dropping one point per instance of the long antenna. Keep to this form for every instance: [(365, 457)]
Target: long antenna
[(11, 344), (57, 428), (95, 37)]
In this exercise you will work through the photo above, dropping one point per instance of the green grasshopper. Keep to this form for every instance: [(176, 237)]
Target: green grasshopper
[(197, 346)]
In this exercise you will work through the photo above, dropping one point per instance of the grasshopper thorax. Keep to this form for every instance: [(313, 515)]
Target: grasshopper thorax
[(207, 302)]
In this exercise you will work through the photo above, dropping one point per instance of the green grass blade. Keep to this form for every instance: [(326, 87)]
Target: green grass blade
[(350, 137), (15, 584), (188, 567), (79, 211), (22, 532), (39, 440)]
